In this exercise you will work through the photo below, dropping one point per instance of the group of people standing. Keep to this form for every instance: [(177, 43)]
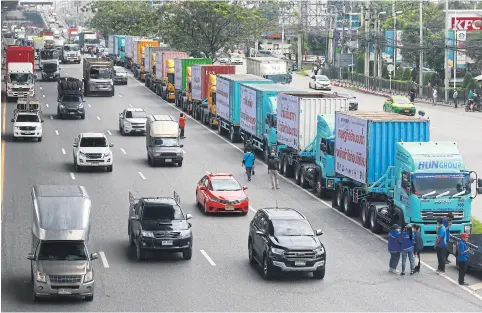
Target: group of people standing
[(408, 244), (248, 162)]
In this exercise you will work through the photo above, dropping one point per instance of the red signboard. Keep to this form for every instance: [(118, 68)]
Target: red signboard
[(469, 24)]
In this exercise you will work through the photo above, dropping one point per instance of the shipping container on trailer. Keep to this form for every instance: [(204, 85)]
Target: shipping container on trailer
[(162, 57), (17, 54), (110, 44), (180, 70), (263, 66)]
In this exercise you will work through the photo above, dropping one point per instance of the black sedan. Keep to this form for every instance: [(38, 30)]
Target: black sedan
[(351, 99)]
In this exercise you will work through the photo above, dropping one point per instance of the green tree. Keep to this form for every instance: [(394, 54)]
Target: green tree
[(134, 18), (473, 46), (407, 74), (467, 79), (208, 26)]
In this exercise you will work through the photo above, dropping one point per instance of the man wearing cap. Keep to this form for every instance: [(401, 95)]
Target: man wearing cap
[(441, 245), (448, 223), (463, 257), (394, 248)]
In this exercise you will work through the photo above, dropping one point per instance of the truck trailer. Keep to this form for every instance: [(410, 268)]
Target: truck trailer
[(393, 174), (180, 67), (164, 81), (139, 53), (271, 68), (129, 50)]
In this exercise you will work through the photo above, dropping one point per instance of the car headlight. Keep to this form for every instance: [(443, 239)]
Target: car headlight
[(107, 154), (89, 276), (213, 199), (147, 234), (41, 277), (81, 106), (277, 251), (81, 154), (185, 233), (179, 154), (127, 123), (319, 251)]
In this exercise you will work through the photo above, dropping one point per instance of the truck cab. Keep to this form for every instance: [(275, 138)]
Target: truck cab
[(70, 54), (20, 80), (48, 56), (162, 141), (208, 106), (169, 92), (98, 76), (50, 70)]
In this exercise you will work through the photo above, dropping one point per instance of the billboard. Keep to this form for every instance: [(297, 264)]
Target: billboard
[(468, 24), (457, 39), (343, 22), (390, 40)]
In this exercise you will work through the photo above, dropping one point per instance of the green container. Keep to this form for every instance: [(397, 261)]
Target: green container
[(180, 66)]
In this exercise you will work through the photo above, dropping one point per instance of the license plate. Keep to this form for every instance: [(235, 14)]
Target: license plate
[(406, 111), (65, 291), (28, 133), (300, 263), (72, 113), (168, 160), (229, 208), (166, 242)]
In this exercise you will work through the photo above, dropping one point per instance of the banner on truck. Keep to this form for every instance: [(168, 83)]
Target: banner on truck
[(248, 110), (351, 147), (178, 74), (288, 120), (273, 68), (196, 83), (222, 98)]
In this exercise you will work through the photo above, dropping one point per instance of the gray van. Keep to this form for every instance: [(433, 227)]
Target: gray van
[(60, 261), (162, 141)]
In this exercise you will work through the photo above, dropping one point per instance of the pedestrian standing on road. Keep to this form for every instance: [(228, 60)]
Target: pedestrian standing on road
[(448, 223), (463, 257), (441, 245), (455, 97), (434, 95), (248, 162), (394, 248), (273, 171), (471, 94), (407, 240), (418, 246), (182, 124)]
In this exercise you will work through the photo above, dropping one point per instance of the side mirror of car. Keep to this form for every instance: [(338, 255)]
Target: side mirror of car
[(181, 146), (42, 121), (75, 145), (318, 232), (245, 188), (111, 145), (260, 233), (30, 256), (134, 218), (12, 120), (94, 256), (313, 77), (120, 114), (188, 216), (203, 188)]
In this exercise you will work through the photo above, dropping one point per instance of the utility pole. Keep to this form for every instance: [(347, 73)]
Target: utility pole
[(329, 40), (367, 49), (342, 48), (446, 58), (394, 38), (300, 37), (420, 67), (455, 50), (350, 36)]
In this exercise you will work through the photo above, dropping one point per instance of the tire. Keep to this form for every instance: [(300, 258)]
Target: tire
[(268, 270), (287, 169), (220, 129), (232, 136), (131, 239), (251, 259), (122, 131), (374, 226), (320, 190), (280, 164), (365, 213), (150, 161), (140, 254), (204, 208), (111, 94), (339, 198), (187, 254), (89, 298), (266, 152), (319, 274), (39, 139), (298, 174), (82, 116), (110, 168), (179, 164), (303, 182), (348, 205)]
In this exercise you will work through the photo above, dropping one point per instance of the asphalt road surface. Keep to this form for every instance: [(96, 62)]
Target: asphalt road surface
[(219, 277)]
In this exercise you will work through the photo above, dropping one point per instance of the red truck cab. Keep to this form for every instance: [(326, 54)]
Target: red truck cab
[(20, 79)]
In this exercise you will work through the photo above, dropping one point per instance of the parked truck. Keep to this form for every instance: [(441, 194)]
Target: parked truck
[(88, 41), (119, 47), (474, 260), (146, 62), (258, 114), (180, 73), (228, 102), (129, 54), (393, 174), (138, 67), (164, 81), (19, 72), (98, 74), (150, 66), (271, 68)]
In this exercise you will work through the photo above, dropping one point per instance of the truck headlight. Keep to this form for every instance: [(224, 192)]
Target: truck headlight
[(89, 276), (319, 251), (148, 234), (41, 277), (81, 154), (107, 154), (277, 251), (179, 154), (81, 106)]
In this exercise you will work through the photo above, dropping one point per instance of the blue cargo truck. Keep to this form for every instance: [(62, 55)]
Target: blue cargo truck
[(258, 114), (393, 174), (119, 47), (228, 102)]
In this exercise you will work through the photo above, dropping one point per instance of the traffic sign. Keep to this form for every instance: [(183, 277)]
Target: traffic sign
[(390, 67)]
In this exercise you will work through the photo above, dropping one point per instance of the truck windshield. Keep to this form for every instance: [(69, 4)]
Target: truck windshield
[(71, 48), (48, 55), (166, 142), (440, 183), (27, 118), (62, 251), (20, 79), (161, 212), (92, 41), (170, 78), (50, 67), (100, 72), (93, 142)]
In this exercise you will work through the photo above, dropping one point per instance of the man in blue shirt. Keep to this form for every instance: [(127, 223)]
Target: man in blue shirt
[(463, 257), (448, 223), (248, 162), (441, 245), (394, 248)]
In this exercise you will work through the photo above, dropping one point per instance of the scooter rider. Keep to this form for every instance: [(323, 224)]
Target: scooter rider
[(421, 115)]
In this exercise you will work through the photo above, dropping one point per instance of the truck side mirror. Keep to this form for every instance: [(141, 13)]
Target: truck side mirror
[(30, 256), (12, 120), (134, 218), (181, 146), (42, 121), (111, 145), (318, 232), (94, 256), (188, 216)]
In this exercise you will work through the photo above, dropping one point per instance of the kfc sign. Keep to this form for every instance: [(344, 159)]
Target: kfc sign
[(467, 23)]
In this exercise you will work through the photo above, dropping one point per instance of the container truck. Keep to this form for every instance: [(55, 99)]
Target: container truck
[(203, 85), (268, 67), (150, 65), (180, 68), (228, 102), (110, 44), (138, 67), (19, 72), (98, 74), (258, 114), (72, 32), (393, 174), (146, 61), (88, 41), (129, 54), (296, 125), (164, 86)]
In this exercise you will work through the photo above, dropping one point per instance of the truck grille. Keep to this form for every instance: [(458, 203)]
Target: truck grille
[(27, 127), (434, 215), (93, 155), (166, 234), (21, 89), (299, 254), (65, 279), (138, 125)]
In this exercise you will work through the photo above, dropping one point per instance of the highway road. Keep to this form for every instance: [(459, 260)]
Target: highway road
[(219, 277)]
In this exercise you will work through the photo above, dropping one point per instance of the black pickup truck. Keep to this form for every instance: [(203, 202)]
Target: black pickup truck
[(475, 253), (159, 224)]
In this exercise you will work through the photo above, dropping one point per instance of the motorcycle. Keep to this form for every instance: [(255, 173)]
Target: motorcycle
[(472, 106)]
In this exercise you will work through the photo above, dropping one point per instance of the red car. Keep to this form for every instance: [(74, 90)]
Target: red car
[(221, 193)]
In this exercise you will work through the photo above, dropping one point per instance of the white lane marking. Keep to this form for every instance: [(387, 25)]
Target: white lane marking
[(88, 104), (183, 151), (208, 258), (51, 117), (476, 286), (120, 96), (41, 88), (57, 132), (252, 209), (63, 151), (472, 292), (108, 131), (98, 118), (47, 105), (103, 259), (72, 176), (66, 73), (130, 105), (43, 96), (142, 175), (123, 151)]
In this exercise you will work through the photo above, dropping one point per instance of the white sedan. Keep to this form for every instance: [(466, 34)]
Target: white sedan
[(320, 82)]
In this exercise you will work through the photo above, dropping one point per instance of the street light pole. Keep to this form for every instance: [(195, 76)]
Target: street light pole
[(420, 67), (394, 38), (446, 64)]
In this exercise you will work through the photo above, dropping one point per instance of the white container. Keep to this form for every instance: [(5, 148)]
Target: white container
[(177, 74), (135, 51), (248, 110), (222, 97), (159, 65), (110, 44), (263, 66), (196, 83), (297, 114)]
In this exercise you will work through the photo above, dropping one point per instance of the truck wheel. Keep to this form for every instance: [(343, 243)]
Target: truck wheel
[(365, 213), (266, 152), (320, 190), (298, 174), (187, 254), (339, 198), (232, 135), (374, 226), (82, 116), (89, 298), (140, 254), (280, 164), (348, 205), (110, 168), (131, 239), (179, 163), (39, 139), (287, 169), (319, 274), (303, 182)]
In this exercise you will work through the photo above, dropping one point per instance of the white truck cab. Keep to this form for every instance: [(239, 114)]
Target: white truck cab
[(48, 56), (132, 121), (20, 80), (71, 53), (27, 120), (92, 150)]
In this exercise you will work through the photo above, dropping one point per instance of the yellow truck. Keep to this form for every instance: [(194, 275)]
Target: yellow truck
[(208, 111), (150, 66), (188, 97), (139, 56), (165, 69)]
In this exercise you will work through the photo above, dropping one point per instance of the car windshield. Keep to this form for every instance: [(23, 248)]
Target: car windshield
[(93, 142), (62, 251), (120, 70), (402, 101), (136, 114), (321, 78), (166, 142), (292, 228), (71, 48), (225, 185), (423, 184), (162, 212), (27, 118), (21, 79), (71, 98), (100, 72), (50, 66)]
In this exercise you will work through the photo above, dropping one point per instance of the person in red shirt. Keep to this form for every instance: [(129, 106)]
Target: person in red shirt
[(182, 124)]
